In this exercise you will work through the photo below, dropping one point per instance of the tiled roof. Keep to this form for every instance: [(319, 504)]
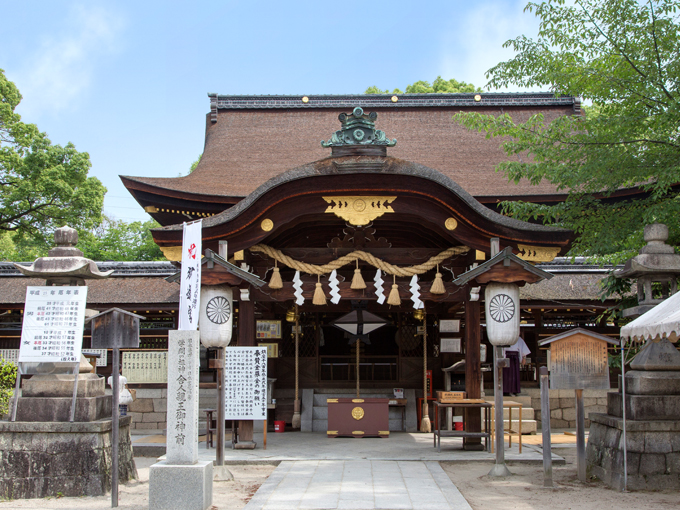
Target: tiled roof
[(142, 290), (226, 102), (123, 268)]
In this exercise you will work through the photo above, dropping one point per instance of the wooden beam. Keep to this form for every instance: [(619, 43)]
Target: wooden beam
[(454, 293), (246, 337), (399, 256), (473, 369)]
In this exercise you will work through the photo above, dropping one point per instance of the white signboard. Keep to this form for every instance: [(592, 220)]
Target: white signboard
[(245, 382), (190, 284), (449, 326), (52, 329), (145, 366), (450, 345)]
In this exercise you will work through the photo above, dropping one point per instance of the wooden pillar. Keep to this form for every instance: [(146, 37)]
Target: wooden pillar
[(246, 337), (473, 370)]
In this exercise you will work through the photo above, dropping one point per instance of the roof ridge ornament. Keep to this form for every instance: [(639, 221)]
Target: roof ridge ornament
[(358, 129)]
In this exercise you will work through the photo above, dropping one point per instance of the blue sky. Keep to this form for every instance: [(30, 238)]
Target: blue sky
[(127, 82)]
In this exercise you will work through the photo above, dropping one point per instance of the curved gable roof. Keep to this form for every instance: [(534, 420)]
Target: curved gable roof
[(425, 193)]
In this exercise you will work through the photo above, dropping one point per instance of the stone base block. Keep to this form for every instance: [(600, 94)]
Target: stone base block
[(645, 382), (180, 487), (58, 409), (644, 407), (61, 385), (653, 451), (42, 460)]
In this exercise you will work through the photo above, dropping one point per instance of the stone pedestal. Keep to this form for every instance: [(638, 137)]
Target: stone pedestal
[(652, 428), (47, 398), (180, 487), (70, 459), (653, 450)]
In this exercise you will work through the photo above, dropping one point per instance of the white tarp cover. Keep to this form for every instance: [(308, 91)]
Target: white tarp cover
[(661, 321)]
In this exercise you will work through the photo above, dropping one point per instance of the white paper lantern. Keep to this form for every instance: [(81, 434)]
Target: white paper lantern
[(502, 313), (215, 322)]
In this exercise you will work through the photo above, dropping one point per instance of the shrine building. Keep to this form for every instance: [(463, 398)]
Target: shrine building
[(383, 214), (377, 203)]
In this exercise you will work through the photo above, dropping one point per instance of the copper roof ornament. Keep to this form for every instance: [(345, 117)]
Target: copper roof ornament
[(358, 131)]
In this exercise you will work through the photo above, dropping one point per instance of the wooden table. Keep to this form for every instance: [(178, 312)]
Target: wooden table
[(438, 433), (509, 404), (211, 429)]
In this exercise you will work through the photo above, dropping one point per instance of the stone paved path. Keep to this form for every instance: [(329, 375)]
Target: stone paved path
[(358, 485)]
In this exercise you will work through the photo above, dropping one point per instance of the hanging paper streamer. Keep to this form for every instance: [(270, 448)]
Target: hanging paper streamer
[(335, 290), (379, 287), (297, 285), (415, 293)]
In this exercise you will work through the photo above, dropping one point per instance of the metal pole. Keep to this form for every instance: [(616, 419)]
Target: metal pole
[(545, 427), (221, 403), (76, 370), (623, 406), (499, 469), (580, 437), (16, 393), (114, 428)]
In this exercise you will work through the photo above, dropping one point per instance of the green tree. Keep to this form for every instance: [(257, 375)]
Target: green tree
[(438, 86), (8, 379), (119, 240), (43, 186), (195, 163), (622, 58)]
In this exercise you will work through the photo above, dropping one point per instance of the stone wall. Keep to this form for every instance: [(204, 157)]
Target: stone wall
[(149, 409), (49, 459), (563, 406)]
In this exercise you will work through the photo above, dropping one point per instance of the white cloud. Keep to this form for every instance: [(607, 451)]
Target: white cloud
[(61, 68), (474, 43)]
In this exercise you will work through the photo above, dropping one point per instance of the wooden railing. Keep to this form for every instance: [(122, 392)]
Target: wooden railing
[(371, 368)]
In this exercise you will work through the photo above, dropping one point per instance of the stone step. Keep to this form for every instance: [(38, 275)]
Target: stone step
[(322, 425), (321, 413), (528, 426), (525, 400)]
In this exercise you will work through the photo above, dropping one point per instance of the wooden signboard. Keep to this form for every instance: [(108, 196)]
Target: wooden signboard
[(145, 366), (578, 360), (265, 330)]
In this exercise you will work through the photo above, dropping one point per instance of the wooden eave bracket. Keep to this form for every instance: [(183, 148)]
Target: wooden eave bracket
[(512, 270), (211, 258)]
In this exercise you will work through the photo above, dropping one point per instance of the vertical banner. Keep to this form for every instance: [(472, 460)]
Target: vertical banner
[(190, 284)]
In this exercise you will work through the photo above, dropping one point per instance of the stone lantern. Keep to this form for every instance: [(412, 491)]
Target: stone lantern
[(58, 410), (657, 263)]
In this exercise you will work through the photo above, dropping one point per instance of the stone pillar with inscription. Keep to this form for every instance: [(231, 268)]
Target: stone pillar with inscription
[(181, 481)]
